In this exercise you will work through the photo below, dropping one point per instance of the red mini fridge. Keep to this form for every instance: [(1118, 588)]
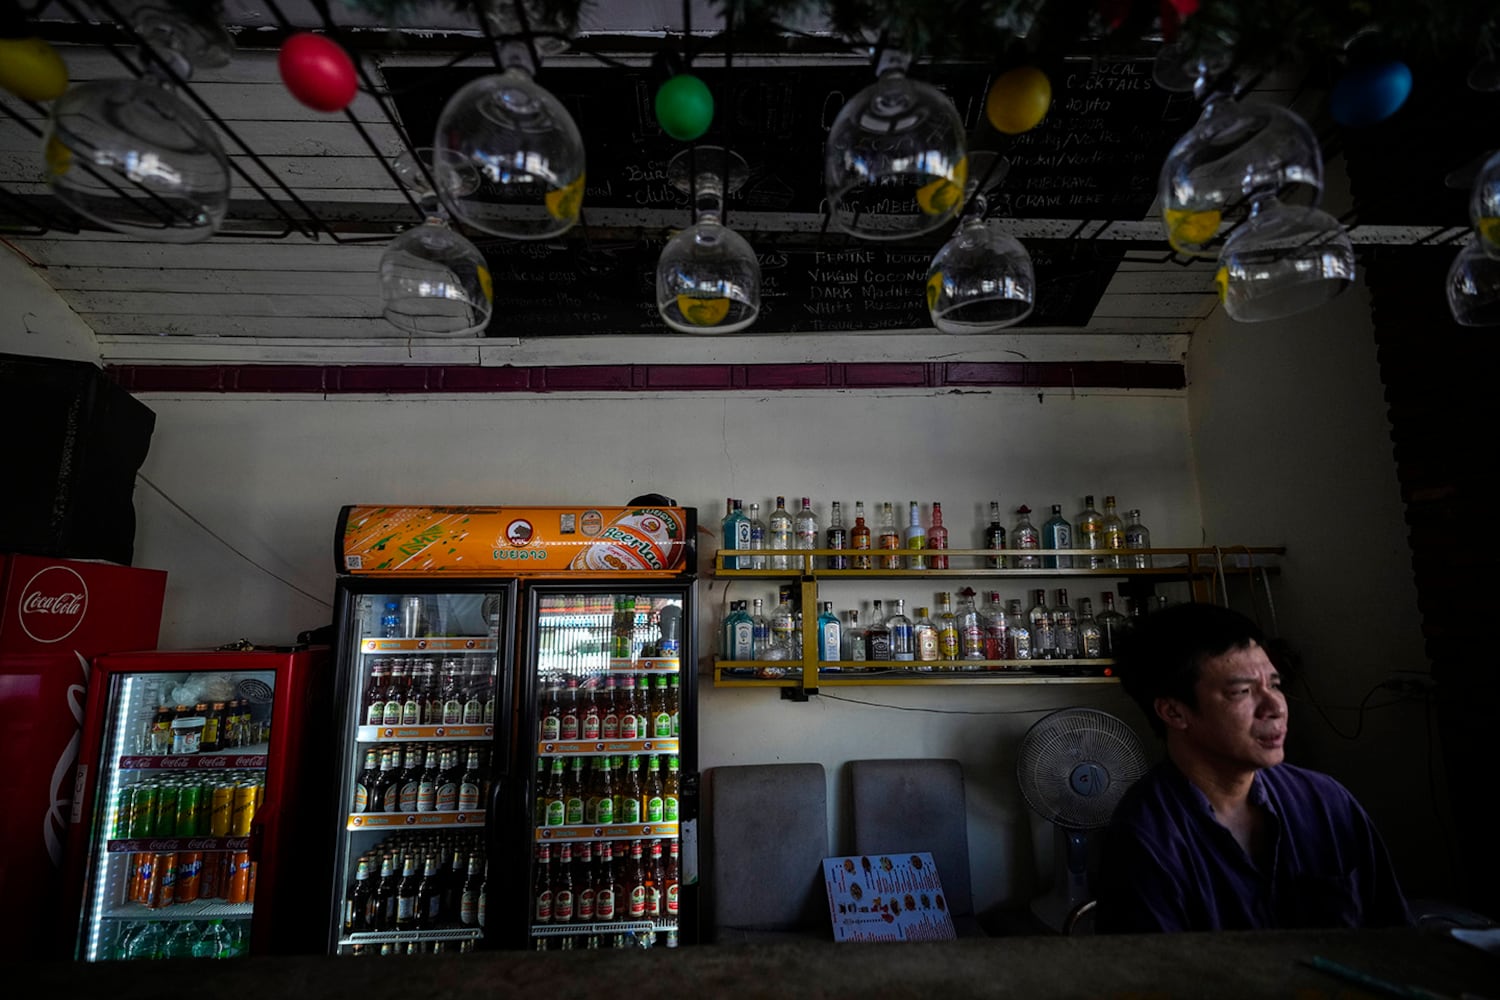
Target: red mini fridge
[(56, 615), (187, 837)]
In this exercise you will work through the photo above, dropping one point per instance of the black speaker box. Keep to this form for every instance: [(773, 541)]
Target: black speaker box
[(74, 441)]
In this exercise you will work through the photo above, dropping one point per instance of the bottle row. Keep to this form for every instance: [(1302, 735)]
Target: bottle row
[(190, 806), (664, 933), (415, 616), (922, 547), (587, 631), (639, 788), (415, 691), (608, 705), (149, 939), (159, 879), (605, 883), (204, 727), (429, 779), (418, 881)]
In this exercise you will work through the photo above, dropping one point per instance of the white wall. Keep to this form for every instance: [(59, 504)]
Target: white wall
[(1292, 445), (269, 474), (35, 321)]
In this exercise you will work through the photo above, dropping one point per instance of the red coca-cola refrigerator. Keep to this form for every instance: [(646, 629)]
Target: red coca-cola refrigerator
[(57, 614), (189, 837)]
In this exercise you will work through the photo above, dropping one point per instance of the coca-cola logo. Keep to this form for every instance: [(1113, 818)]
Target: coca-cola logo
[(202, 844), (53, 604)]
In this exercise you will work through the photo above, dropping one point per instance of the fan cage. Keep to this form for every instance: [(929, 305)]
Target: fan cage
[(1085, 744)]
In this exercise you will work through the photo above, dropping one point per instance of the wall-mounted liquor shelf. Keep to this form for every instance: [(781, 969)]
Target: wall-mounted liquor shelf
[(1137, 572)]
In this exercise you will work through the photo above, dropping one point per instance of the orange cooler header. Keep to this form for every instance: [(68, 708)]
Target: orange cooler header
[(516, 541)]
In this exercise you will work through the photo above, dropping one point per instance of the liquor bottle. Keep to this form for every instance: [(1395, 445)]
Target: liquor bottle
[(411, 778), (1026, 538), (568, 726), (1064, 628), (556, 793), (1088, 533), (564, 899), (470, 783), (430, 895), (395, 693), (760, 627), (806, 527), (671, 792), (888, 539), (1090, 636), (386, 795), (1113, 530), (784, 624), (970, 627), (903, 639), (427, 787), (407, 894), (926, 637), (937, 538), (374, 700), (591, 714), (541, 886), (609, 710), (781, 534), (1057, 533), (829, 634), (859, 537), (383, 907), (757, 529), (1043, 641), (652, 798), (357, 902), (916, 539), (878, 635), (994, 537), (736, 532), (947, 628), (468, 906), (854, 637), (1018, 632), (1111, 625), (365, 784), (996, 627), (838, 538), (1136, 537)]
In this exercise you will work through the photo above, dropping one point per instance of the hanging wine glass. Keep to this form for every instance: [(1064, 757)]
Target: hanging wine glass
[(434, 282), (1484, 206), (894, 165), (133, 156), (1474, 286), (525, 146), (707, 277), (1286, 259), (982, 279)]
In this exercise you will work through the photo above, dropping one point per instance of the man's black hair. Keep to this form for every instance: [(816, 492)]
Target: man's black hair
[(1160, 655)]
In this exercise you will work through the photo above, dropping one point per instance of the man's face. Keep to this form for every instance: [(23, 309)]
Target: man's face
[(1240, 720)]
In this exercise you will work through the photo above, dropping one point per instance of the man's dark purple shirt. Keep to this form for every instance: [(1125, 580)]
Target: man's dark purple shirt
[(1169, 865)]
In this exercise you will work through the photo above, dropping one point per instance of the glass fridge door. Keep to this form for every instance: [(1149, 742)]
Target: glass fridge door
[(606, 692), (182, 774), (427, 688)]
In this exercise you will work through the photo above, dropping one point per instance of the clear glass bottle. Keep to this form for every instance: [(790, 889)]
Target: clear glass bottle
[(760, 627), (757, 540), (1043, 640), (859, 537), (903, 638), (854, 637), (780, 536), (996, 627), (889, 538), (1057, 533), (1111, 624), (1090, 636), (1113, 530), (1018, 632), (937, 538), (916, 539), (806, 527), (736, 528), (878, 634), (1136, 537), (838, 538), (1064, 628), (1088, 533), (829, 634), (947, 628), (1026, 538), (784, 620), (994, 537), (970, 627), (926, 637)]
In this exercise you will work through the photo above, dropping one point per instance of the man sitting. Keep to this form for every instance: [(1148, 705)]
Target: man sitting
[(1222, 835)]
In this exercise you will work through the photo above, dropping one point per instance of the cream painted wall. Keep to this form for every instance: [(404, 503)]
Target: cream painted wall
[(269, 474), (35, 321), (1292, 444)]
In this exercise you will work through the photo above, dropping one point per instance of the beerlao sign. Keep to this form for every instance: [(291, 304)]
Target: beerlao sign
[(52, 604), (638, 540)]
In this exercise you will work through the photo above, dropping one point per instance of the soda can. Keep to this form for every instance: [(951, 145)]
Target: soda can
[(220, 808), (205, 806), (123, 807), (239, 878), (208, 885), (250, 889), (189, 877), (187, 810), (260, 793), (166, 810), (244, 810), (140, 876), (143, 811), (162, 890)]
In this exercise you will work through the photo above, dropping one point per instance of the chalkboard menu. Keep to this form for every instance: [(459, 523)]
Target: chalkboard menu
[(1096, 156)]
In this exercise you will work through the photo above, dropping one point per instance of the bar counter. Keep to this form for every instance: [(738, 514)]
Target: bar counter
[(1253, 964)]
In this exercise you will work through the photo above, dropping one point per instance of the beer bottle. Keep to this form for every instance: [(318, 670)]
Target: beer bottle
[(470, 784), (562, 886), (411, 697), (589, 716), (657, 711), (557, 802), (365, 783), (655, 876), (484, 883), (541, 888), (384, 779), (628, 799), (395, 693), (406, 895), (600, 807), (430, 896), (453, 875), (209, 742), (575, 794), (652, 795), (583, 882), (411, 778), (357, 901), (636, 890), (432, 709), (551, 728), (609, 709), (474, 696), (568, 724), (374, 700), (428, 785), (452, 693), (674, 706), (630, 710), (605, 889), (670, 878), (385, 896), (669, 792), (468, 907), (539, 813)]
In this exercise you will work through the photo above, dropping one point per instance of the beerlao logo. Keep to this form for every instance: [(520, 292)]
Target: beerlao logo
[(53, 604), (519, 532)]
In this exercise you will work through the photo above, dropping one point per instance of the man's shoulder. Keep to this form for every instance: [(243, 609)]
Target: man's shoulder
[(1304, 781), (1161, 793)]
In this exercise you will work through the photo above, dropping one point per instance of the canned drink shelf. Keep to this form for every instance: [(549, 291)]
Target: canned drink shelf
[(608, 831), (203, 909), (250, 758), (401, 937), (430, 644), (415, 821), (594, 748), (407, 734), (135, 845)]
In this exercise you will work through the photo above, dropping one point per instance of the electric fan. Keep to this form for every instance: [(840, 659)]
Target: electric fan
[(1074, 766)]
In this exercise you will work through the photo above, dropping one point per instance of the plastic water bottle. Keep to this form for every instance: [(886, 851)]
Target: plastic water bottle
[(180, 943), (214, 942), (390, 622)]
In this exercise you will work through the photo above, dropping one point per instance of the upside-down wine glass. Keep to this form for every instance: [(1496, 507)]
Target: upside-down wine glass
[(1284, 260), (1474, 286), (1484, 206), (707, 277), (982, 279), (133, 156)]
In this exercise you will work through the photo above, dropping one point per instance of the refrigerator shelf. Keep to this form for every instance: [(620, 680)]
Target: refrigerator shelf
[(425, 821), (594, 748), (401, 937), (173, 845), (614, 927), (251, 758), (203, 909), (430, 645), (611, 831), (399, 734), (646, 664)]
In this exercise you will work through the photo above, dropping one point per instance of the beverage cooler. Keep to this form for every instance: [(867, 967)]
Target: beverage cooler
[(517, 727), (187, 839)]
